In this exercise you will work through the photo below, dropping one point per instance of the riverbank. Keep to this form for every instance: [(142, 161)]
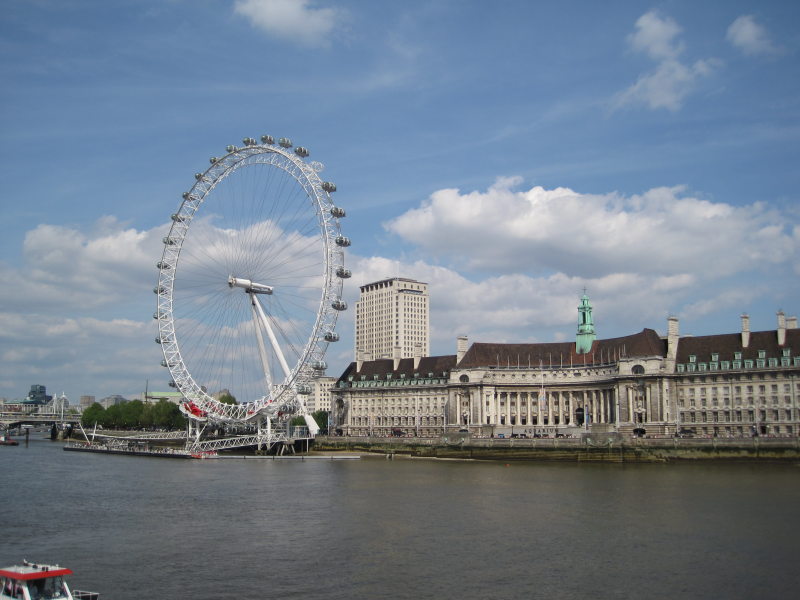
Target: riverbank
[(588, 448)]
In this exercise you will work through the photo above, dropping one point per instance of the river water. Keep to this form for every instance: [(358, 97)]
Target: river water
[(134, 527)]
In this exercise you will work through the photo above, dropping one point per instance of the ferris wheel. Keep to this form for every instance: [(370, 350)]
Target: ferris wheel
[(250, 283)]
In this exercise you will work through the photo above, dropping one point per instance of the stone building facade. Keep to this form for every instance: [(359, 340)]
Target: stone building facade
[(736, 384)]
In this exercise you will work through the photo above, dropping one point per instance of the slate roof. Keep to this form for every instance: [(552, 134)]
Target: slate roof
[(642, 344), (728, 343), (383, 366)]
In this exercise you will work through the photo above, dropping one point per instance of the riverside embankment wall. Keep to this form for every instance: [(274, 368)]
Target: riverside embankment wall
[(603, 448)]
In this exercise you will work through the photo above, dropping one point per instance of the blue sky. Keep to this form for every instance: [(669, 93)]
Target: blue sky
[(508, 153)]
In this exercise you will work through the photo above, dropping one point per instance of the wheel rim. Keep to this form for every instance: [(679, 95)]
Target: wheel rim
[(259, 214)]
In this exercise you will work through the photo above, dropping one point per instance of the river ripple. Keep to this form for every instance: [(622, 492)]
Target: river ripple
[(134, 528)]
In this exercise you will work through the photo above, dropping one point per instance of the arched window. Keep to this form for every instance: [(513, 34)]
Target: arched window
[(464, 379), (637, 370)]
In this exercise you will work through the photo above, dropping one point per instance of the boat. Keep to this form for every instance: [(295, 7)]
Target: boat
[(36, 581), (6, 441)]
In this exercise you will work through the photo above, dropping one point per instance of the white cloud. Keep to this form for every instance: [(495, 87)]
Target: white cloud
[(293, 20), (750, 37), (672, 80), (655, 36), (664, 231)]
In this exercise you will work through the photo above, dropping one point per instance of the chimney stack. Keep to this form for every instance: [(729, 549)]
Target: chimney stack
[(781, 328), (745, 331), (791, 322), (673, 333), (396, 358), (461, 347)]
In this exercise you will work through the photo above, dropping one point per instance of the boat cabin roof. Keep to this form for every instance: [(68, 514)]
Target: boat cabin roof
[(30, 571)]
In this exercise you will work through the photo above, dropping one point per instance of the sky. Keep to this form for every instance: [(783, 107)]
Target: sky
[(510, 154)]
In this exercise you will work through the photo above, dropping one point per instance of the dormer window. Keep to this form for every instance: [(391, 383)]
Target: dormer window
[(714, 357), (692, 358), (762, 354), (737, 356)]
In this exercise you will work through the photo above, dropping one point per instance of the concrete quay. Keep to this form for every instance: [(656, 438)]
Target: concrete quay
[(611, 448)]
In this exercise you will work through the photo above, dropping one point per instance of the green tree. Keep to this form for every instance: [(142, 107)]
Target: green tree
[(166, 414), (146, 420), (114, 417), (321, 417), (131, 414), (227, 399), (94, 414)]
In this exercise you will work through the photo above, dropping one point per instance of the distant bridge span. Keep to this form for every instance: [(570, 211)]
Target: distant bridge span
[(9, 420)]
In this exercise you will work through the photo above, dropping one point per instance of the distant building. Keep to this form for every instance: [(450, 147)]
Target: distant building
[(86, 402), (392, 319), (320, 397), (734, 384), (37, 395), (112, 400), (153, 397)]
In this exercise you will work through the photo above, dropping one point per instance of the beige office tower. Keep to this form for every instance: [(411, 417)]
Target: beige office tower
[(392, 318)]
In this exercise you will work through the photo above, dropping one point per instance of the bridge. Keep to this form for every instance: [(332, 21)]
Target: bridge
[(10, 420)]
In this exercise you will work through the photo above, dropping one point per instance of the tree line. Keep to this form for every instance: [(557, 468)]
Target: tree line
[(135, 414)]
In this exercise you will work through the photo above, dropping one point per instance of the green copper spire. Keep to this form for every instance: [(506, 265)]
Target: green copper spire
[(586, 336)]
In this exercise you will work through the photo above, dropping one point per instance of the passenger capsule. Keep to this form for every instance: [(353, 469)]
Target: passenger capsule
[(304, 389), (328, 186), (162, 265), (300, 151), (198, 176), (342, 241), (343, 273), (337, 212), (178, 218), (285, 143), (172, 384), (185, 195), (267, 139), (168, 241), (164, 363), (158, 340), (230, 149), (331, 336), (319, 365), (339, 305), (212, 160), (155, 315), (159, 290)]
